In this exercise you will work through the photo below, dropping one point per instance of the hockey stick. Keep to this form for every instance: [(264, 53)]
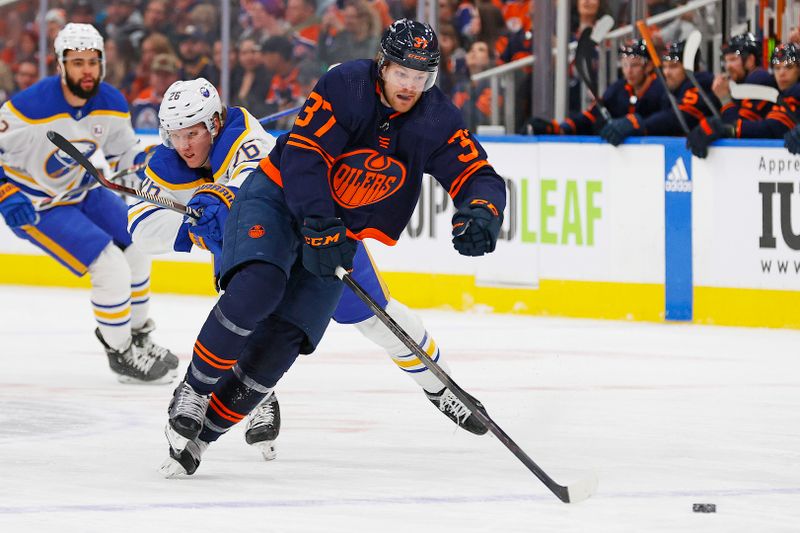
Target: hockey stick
[(689, 53), (651, 50), (589, 39), (70, 149), (280, 114), (568, 494), (753, 91), (66, 195)]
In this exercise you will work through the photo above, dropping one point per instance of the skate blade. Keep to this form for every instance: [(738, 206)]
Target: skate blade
[(163, 380), (176, 441), (172, 468), (267, 448)]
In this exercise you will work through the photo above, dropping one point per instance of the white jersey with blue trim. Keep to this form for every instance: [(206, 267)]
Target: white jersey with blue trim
[(238, 148), (101, 127)]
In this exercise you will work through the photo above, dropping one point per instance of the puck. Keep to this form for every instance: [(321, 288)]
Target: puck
[(704, 508)]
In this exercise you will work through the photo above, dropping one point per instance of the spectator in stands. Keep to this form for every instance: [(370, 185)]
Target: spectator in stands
[(250, 80), (163, 73), (491, 25), (26, 48), (586, 13), (117, 67), (195, 56), (26, 74), (135, 81), (156, 18), (81, 12), (474, 98), (124, 23), (284, 89), (304, 27), (466, 20), (407, 9), (205, 17), (452, 56), (356, 37), (266, 19)]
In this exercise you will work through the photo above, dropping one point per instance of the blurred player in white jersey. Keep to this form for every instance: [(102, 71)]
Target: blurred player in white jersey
[(207, 153), (49, 200)]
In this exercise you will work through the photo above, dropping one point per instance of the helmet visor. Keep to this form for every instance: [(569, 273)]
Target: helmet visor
[(408, 78)]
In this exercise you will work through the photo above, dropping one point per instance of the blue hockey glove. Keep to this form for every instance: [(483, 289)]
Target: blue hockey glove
[(705, 133), (475, 228), (213, 202), (616, 131), (16, 208), (326, 246), (792, 140)]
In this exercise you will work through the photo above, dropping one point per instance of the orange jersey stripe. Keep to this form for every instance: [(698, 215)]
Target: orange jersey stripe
[(313, 144), (372, 233), (271, 171), (230, 412), (464, 176)]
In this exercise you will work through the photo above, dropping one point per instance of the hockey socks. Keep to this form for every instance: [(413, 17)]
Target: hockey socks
[(274, 350), (252, 294)]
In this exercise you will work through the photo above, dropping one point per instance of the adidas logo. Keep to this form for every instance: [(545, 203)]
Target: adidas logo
[(678, 178)]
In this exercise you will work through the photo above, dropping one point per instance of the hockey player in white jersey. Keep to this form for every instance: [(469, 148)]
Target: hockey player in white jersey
[(46, 198), (208, 151)]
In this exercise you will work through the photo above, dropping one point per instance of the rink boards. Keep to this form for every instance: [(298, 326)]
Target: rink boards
[(640, 232)]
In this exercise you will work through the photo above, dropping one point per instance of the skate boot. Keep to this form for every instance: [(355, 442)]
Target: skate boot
[(132, 365), (263, 426), (187, 411), (141, 338), (183, 463), (455, 410)]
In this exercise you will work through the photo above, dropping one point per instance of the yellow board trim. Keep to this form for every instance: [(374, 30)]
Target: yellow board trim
[(747, 307), (586, 299)]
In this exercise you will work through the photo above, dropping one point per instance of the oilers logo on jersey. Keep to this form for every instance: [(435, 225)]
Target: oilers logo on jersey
[(364, 177), (58, 163)]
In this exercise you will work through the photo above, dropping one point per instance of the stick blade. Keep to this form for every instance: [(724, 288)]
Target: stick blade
[(602, 27), (690, 49), (752, 91), (583, 489)]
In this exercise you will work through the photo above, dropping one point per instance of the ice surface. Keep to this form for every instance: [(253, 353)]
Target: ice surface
[(666, 415)]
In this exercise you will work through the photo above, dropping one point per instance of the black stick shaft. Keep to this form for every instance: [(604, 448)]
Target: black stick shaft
[(560, 491), (70, 149)]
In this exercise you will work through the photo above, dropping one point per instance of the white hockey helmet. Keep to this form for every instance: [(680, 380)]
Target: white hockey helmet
[(187, 103), (75, 36)]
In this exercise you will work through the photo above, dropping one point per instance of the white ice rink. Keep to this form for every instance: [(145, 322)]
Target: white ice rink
[(665, 415)]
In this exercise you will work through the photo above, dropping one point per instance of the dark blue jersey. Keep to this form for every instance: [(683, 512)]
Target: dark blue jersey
[(781, 118), (620, 99), (347, 155), (691, 105), (750, 109)]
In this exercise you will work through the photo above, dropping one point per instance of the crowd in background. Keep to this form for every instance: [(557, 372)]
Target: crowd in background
[(281, 47)]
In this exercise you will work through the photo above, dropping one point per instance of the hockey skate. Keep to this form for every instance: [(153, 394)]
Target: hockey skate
[(132, 365), (263, 426), (141, 338), (185, 462), (455, 410), (187, 411)]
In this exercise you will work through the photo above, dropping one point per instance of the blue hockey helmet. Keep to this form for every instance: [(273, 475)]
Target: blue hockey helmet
[(413, 45)]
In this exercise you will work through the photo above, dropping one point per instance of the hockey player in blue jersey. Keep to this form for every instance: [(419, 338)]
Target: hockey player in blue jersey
[(665, 122), (742, 56), (780, 119), (45, 197), (350, 168), (636, 92)]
